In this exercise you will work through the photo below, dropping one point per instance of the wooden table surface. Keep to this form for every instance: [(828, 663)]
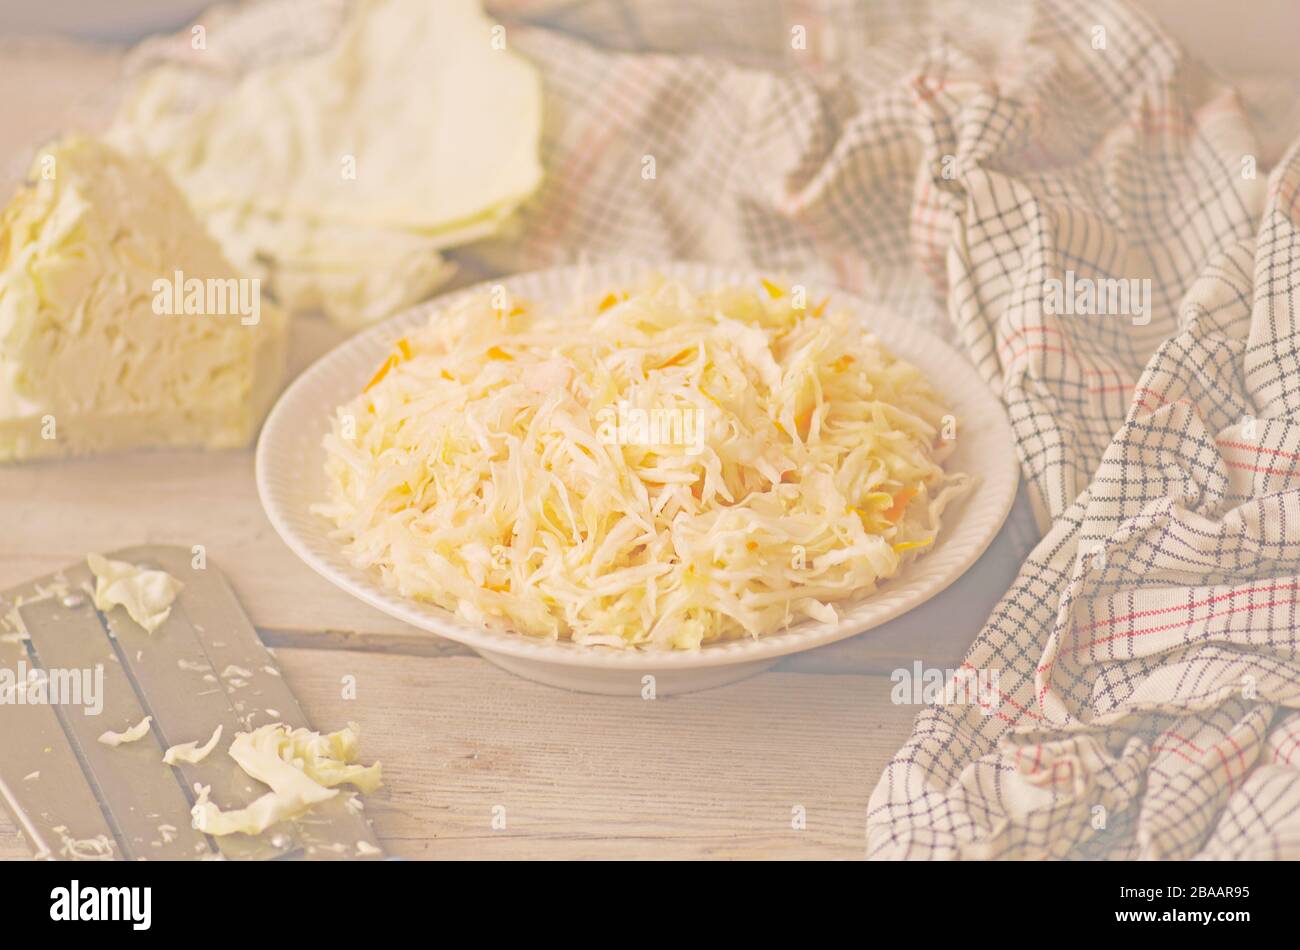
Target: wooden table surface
[(713, 774)]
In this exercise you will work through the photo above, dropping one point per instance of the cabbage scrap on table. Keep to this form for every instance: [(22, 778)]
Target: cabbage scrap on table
[(658, 468)]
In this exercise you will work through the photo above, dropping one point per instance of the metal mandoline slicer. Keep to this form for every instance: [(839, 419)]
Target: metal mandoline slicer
[(79, 799)]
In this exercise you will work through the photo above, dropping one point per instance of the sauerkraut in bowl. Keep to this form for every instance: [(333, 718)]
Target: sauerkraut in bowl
[(658, 465)]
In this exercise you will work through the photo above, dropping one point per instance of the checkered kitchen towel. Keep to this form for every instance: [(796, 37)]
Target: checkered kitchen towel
[(995, 169)]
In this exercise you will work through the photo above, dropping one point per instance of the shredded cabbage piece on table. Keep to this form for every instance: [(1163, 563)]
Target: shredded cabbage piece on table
[(658, 467)]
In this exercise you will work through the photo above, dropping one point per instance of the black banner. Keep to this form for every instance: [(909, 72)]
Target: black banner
[(378, 900)]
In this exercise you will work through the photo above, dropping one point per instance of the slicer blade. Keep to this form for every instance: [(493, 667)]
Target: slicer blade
[(76, 797)]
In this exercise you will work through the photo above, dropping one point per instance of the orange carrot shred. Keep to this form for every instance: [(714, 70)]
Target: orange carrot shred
[(900, 504), (383, 371), (677, 359), (804, 423)]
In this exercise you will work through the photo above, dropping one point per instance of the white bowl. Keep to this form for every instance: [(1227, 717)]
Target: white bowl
[(290, 479)]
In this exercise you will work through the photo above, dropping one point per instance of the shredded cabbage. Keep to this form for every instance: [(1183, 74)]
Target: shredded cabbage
[(191, 753), (133, 734), (655, 467)]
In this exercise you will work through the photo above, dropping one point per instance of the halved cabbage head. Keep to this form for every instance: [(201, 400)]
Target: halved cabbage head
[(121, 322)]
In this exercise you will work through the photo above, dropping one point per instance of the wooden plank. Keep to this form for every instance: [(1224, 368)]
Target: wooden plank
[(714, 774)]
